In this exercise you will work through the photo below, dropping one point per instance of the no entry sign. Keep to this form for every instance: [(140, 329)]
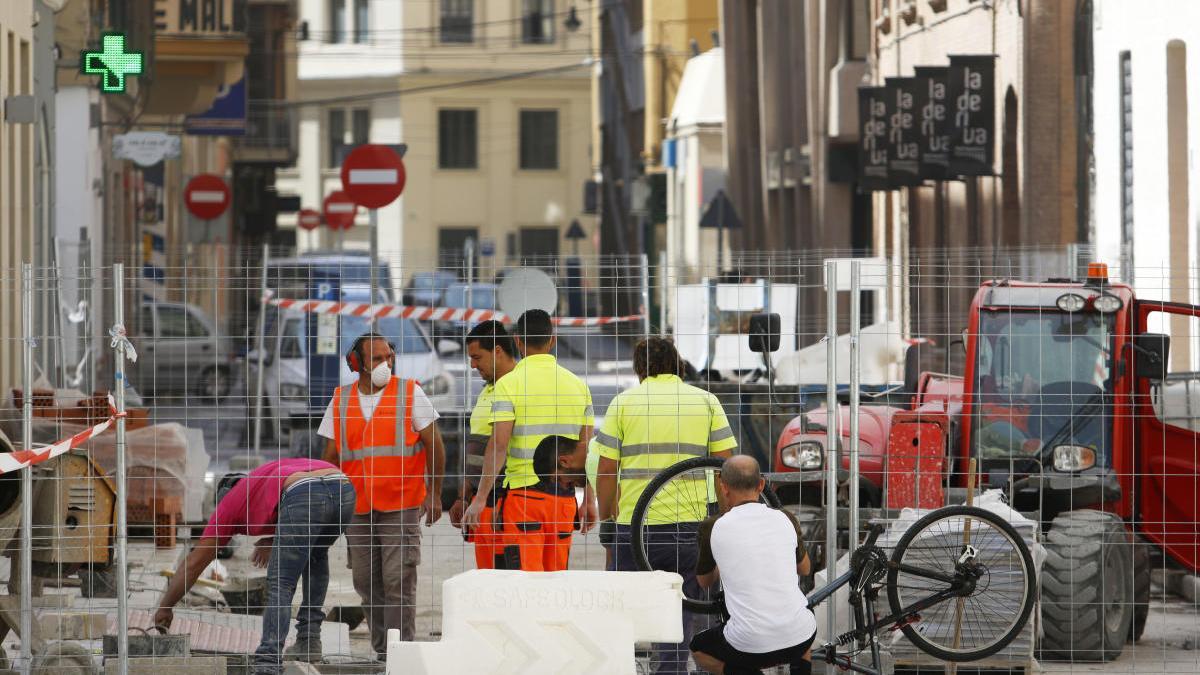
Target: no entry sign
[(373, 175), (309, 219), (206, 196), (339, 210)]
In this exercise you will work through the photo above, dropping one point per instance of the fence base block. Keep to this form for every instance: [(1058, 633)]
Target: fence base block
[(503, 622)]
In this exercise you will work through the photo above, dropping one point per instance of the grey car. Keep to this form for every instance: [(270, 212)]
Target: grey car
[(180, 351)]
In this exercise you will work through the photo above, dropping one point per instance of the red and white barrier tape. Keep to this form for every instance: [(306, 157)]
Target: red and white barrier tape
[(22, 458), (367, 310)]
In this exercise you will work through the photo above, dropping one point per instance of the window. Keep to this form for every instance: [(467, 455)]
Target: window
[(290, 343), (458, 18), (360, 129), (537, 22), (146, 321), (196, 327), (458, 131), (337, 137), (337, 21), (172, 322), (362, 21), (539, 139)]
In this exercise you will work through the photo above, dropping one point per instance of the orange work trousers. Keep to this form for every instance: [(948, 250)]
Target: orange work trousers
[(487, 541), (536, 529)]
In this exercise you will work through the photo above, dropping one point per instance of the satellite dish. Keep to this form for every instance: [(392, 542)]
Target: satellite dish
[(526, 288)]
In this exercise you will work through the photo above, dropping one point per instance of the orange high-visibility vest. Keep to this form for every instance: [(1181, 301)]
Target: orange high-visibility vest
[(383, 456)]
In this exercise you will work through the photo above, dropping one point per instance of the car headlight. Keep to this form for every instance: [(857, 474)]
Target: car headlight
[(1074, 458), (437, 385), (805, 455), (1107, 303), (294, 392), (1071, 302)]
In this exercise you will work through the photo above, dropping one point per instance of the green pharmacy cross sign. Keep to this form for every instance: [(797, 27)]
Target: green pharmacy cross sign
[(112, 62)]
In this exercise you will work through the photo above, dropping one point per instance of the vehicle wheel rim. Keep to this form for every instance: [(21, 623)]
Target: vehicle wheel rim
[(1114, 585)]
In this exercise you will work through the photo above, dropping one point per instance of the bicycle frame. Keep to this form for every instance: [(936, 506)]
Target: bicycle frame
[(864, 578)]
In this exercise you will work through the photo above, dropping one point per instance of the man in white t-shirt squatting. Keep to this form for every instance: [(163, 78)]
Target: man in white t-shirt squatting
[(757, 555)]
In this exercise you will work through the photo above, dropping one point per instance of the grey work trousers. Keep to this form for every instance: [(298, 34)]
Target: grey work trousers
[(385, 548)]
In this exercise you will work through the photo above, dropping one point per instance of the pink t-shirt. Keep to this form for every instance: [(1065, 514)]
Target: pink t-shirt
[(250, 506)]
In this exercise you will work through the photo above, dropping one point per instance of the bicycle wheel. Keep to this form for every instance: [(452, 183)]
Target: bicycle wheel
[(992, 571), (670, 511)]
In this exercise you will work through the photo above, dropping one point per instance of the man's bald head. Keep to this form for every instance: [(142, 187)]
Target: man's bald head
[(740, 474)]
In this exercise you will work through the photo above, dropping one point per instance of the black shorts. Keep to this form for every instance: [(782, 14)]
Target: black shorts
[(713, 643)]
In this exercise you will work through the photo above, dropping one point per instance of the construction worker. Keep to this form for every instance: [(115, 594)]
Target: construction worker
[(383, 434), (646, 429), (299, 507), (539, 398), (493, 356)]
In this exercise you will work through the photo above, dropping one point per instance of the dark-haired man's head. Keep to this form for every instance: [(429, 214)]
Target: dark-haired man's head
[(656, 356), (559, 459), (741, 481), (534, 333), (491, 350)]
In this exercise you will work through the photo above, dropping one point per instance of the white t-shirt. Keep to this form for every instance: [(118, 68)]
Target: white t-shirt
[(423, 413), (754, 547)]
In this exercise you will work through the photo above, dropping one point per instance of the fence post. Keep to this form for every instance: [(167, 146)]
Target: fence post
[(27, 472), (644, 263), (664, 273), (261, 348), (831, 440), (120, 554), (855, 320)]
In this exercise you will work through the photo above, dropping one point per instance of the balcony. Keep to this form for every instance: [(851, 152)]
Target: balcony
[(270, 134)]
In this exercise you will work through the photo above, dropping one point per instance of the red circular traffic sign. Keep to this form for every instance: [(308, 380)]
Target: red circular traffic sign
[(206, 196), (373, 175), (309, 219), (339, 210)]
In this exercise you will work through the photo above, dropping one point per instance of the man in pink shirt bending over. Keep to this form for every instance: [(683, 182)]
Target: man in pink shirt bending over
[(305, 504)]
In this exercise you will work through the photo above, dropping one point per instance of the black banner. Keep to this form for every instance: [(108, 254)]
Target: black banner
[(972, 96), (934, 121), (873, 139), (904, 147)]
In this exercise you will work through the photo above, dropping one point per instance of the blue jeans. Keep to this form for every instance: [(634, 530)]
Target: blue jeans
[(312, 516), (670, 548)]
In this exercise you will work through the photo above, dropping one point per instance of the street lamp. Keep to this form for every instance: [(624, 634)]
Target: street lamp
[(572, 21)]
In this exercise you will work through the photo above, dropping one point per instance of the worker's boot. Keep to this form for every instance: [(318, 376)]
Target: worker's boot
[(307, 649)]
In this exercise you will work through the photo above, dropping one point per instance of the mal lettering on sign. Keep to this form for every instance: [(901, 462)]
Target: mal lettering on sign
[(200, 17)]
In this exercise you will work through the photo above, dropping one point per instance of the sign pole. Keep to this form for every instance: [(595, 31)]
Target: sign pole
[(373, 234), (26, 563), (831, 440), (120, 553), (262, 345)]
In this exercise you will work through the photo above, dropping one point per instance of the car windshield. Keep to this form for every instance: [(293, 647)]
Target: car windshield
[(1040, 379), (404, 334), (482, 297)]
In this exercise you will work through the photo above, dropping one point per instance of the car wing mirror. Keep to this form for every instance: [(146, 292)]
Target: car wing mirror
[(1150, 355), (764, 332)]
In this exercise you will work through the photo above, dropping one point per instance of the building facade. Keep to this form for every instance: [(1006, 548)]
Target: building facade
[(492, 103), (16, 179)]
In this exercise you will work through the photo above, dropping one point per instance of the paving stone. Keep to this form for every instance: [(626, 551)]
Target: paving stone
[(75, 625), (171, 665)]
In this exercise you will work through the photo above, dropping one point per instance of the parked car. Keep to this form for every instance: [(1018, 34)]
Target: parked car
[(482, 296), (427, 288), (180, 351)]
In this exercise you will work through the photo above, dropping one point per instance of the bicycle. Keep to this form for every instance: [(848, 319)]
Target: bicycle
[(937, 578)]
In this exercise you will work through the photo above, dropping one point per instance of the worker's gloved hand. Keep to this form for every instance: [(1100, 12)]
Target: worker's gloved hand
[(456, 512), (471, 516), (163, 618), (608, 532)]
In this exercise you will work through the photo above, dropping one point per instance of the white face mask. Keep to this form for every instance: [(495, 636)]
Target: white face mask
[(380, 374)]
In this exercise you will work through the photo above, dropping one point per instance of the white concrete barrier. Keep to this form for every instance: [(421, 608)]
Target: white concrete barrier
[(505, 622)]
